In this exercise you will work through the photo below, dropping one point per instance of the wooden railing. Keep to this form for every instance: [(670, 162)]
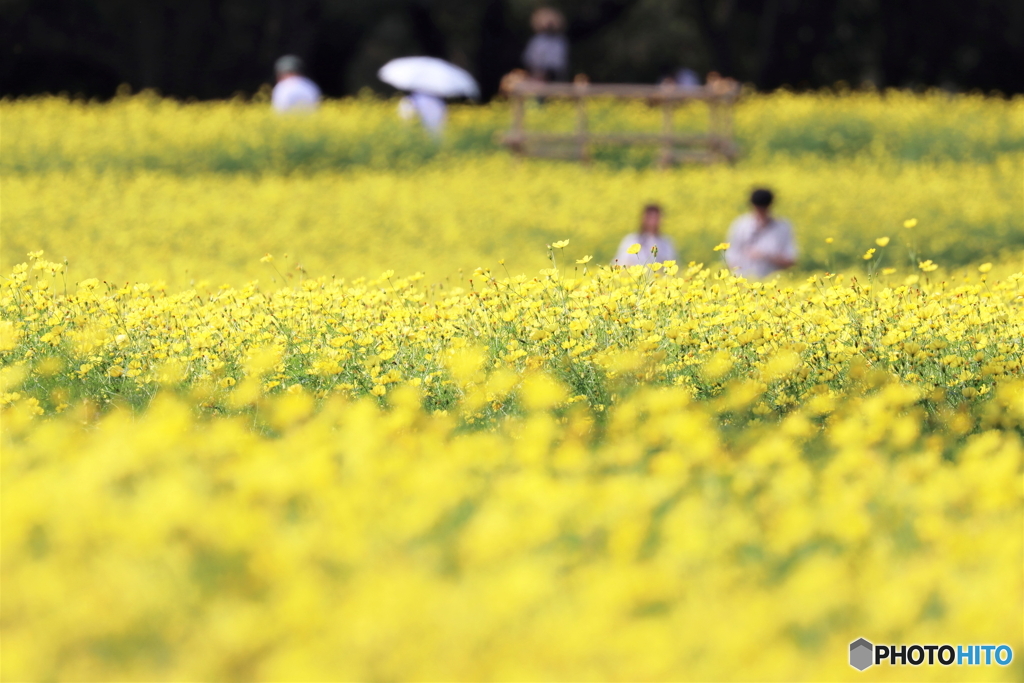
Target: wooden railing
[(717, 144)]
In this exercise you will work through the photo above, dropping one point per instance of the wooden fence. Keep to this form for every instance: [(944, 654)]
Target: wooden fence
[(717, 144)]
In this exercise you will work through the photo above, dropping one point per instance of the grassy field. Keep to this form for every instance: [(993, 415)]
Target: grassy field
[(317, 399)]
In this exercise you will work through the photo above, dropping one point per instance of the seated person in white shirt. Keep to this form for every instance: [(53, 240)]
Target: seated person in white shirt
[(649, 238), (293, 92), (759, 243)]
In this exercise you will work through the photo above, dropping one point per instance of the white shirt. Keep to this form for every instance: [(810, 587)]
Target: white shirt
[(666, 250), (295, 93), (431, 110), (750, 246)]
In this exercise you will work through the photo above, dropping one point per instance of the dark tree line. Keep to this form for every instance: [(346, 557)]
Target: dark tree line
[(215, 48)]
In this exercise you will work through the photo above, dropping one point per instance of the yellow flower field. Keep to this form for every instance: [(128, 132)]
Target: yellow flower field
[(464, 214), (358, 544), (147, 190), (358, 462), (624, 474)]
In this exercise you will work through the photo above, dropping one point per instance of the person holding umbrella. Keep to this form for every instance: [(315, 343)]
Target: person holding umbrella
[(430, 110), (429, 81)]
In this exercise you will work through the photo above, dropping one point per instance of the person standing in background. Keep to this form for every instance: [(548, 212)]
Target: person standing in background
[(431, 111), (654, 247), (759, 243), (293, 92), (687, 79), (547, 54)]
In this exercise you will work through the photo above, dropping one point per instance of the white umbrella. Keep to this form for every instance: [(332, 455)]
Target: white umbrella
[(429, 75)]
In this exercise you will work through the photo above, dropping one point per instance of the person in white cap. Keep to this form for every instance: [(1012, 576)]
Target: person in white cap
[(293, 92)]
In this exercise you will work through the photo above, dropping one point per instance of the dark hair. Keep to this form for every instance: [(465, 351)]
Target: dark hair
[(288, 64), (652, 207), (761, 198)]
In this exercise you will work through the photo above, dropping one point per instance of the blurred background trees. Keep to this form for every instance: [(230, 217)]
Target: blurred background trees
[(216, 48)]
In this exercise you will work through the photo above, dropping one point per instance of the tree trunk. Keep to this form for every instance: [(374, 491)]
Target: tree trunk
[(717, 39), (766, 42), (499, 48), (149, 42), (432, 41)]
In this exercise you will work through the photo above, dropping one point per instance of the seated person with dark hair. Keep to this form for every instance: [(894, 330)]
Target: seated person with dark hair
[(759, 243)]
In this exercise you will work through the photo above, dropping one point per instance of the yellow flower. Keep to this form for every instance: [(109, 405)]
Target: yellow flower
[(927, 266), (585, 259), (984, 267), (635, 249), (561, 244), (829, 240), (267, 259), (868, 254), (882, 241), (888, 271), (909, 223), (722, 247)]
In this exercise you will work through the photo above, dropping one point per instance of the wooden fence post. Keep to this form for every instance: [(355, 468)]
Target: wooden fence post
[(518, 128), (582, 125), (667, 109), (671, 147), (714, 125), (728, 146)]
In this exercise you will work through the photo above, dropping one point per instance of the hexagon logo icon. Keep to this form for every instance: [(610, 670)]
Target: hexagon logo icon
[(861, 652)]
